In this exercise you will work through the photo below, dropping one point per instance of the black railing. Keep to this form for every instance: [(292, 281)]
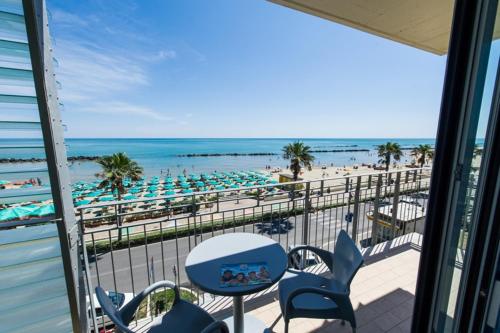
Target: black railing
[(131, 244)]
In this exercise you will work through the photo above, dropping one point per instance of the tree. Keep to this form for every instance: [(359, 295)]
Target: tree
[(422, 154), (387, 151), (299, 156), (115, 169), (478, 151)]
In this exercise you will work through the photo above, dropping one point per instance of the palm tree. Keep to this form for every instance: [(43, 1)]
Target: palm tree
[(299, 156), (422, 153), (115, 169), (388, 150), (478, 151)]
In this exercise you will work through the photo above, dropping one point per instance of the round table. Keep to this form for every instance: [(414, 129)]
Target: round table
[(203, 267)]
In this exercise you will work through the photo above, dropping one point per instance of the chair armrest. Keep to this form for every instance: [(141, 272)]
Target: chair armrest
[(341, 299), (216, 326), (128, 310), (326, 256)]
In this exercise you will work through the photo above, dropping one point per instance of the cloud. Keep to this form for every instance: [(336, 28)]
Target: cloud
[(61, 17), (123, 109), (160, 56), (87, 71), (105, 62)]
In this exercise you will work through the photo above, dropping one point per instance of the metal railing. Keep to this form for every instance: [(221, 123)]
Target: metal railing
[(130, 244)]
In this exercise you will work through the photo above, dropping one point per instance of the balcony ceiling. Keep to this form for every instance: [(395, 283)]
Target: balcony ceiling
[(424, 24)]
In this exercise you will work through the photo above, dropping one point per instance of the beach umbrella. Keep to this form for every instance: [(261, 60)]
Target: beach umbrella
[(219, 187), (129, 197), (45, 210), (82, 202), (169, 186), (107, 198), (187, 190), (9, 214), (134, 190), (234, 186), (212, 182), (94, 194), (169, 192), (152, 188), (200, 184), (185, 185), (273, 181), (150, 195), (4, 182), (19, 212)]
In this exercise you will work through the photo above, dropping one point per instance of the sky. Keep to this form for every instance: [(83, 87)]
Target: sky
[(225, 68)]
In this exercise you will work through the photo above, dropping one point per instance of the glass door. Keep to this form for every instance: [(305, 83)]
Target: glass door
[(468, 115)]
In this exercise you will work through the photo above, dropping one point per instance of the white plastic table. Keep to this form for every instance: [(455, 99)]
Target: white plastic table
[(203, 267)]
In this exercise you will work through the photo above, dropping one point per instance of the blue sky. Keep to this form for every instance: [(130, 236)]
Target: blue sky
[(235, 69)]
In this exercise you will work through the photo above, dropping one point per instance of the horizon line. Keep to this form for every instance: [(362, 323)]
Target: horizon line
[(257, 138)]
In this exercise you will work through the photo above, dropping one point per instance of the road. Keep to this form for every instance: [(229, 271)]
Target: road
[(137, 267)]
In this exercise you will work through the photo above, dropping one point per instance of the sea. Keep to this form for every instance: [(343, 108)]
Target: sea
[(161, 156)]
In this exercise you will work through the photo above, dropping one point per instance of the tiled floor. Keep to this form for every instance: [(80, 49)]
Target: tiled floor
[(382, 294)]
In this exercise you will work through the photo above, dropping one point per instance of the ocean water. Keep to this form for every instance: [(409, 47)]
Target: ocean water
[(158, 156)]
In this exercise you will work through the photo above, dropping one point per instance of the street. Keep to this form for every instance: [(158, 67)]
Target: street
[(137, 267)]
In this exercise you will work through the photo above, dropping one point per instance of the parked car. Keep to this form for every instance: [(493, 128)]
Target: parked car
[(103, 322), (310, 260)]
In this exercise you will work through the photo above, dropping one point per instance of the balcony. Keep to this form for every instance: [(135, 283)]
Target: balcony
[(128, 249), (382, 294)]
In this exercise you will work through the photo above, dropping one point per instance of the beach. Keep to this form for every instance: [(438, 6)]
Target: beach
[(160, 157)]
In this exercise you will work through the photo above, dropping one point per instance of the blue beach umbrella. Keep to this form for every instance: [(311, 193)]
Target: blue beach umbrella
[(169, 192), (129, 197), (82, 202), (187, 190), (219, 187), (45, 210), (169, 186), (106, 198), (150, 195), (8, 214), (200, 184)]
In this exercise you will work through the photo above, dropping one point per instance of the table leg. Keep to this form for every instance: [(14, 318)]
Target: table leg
[(238, 314)]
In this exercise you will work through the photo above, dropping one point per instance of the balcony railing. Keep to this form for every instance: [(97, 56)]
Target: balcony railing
[(133, 243)]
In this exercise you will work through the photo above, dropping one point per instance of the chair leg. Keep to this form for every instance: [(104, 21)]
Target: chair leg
[(286, 325)]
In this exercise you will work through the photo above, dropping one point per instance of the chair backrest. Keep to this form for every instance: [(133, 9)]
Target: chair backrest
[(346, 259), (110, 310)]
